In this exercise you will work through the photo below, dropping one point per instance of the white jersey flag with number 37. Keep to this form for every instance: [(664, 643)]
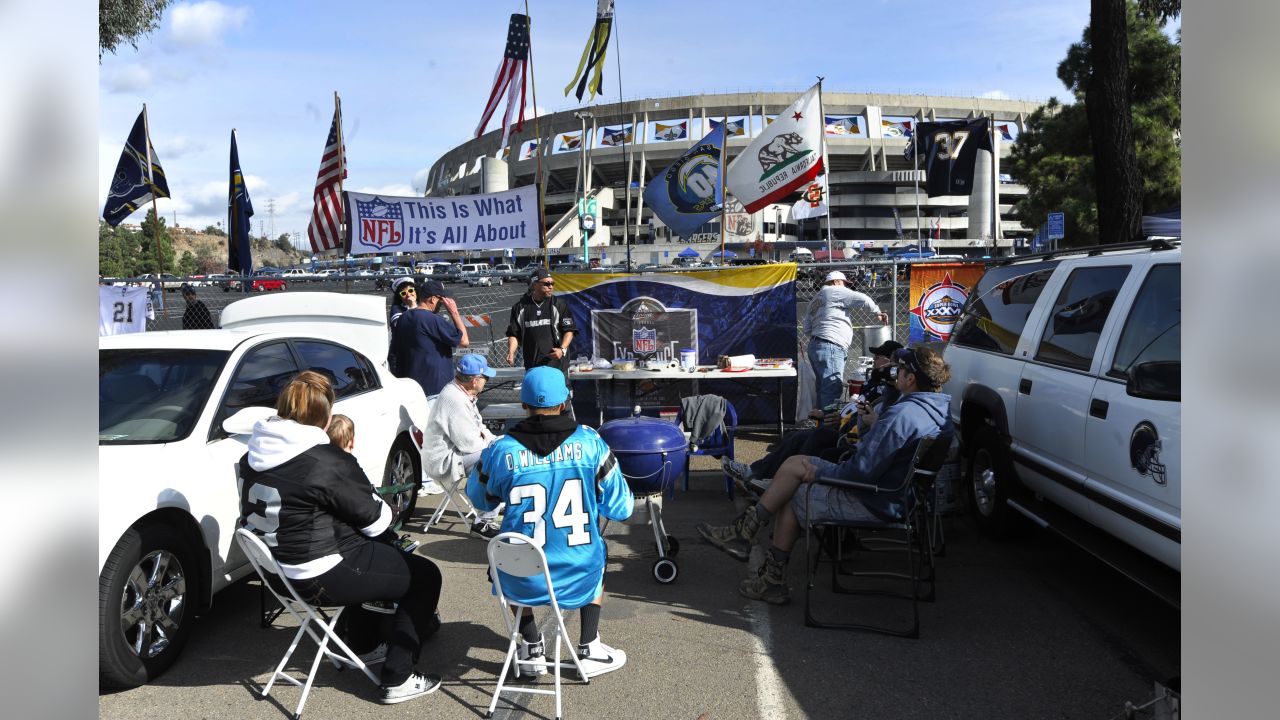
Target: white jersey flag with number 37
[(786, 155)]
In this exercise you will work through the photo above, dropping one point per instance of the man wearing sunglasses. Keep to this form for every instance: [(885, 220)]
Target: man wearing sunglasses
[(882, 458), (541, 325), (423, 341)]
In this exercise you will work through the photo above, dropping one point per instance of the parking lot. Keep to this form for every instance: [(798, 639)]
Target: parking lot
[(1031, 628)]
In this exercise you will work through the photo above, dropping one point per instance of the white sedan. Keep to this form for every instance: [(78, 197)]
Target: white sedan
[(174, 414)]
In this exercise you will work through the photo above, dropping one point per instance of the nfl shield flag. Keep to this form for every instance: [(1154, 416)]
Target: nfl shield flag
[(689, 192), (138, 177)]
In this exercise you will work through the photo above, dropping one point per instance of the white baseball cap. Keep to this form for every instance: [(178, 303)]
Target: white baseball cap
[(835, 275), (400, 281)]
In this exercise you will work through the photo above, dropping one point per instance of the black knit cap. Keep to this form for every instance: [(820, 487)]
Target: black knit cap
[(887, 348)]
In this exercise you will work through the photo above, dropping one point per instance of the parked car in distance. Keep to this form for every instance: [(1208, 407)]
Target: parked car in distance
[(1066, 392), (175, 410), (168, 281), (263, 282), (297, 275)]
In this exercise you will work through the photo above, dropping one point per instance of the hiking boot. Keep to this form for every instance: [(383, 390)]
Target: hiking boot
[(416, 686), (734, 538), (768, 584), (596, 658), (531, 651), (741, 472)]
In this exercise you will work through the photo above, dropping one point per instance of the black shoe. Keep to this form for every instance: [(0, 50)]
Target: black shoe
[(486, 529)]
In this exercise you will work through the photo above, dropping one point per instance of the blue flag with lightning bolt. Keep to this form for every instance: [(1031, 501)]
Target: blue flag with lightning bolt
[(691, 190)]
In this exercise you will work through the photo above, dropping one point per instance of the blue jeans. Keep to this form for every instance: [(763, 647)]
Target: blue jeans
[(827, 359)]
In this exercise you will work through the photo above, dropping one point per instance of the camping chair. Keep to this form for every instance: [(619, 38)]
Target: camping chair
[(516, 554), (454, 494), (927, 458), (717, 444), (306, 614)]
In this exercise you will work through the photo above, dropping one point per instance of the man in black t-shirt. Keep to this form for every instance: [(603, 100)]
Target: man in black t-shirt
[(196, 316), (541, 325)]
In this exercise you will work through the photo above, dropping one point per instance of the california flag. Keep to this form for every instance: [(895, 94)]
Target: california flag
[(784, 158)]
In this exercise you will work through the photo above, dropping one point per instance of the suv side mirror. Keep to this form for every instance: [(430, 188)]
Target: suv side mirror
[(1157, 380)]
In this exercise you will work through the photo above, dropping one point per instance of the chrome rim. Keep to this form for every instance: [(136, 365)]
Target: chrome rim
[(984, 482), (401, 474), (153, 604)]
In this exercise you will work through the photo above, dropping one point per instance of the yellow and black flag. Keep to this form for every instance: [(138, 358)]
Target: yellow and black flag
[(592, 63)]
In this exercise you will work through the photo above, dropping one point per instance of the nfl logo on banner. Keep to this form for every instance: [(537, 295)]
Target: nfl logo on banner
[(381, 223), (644, 341)]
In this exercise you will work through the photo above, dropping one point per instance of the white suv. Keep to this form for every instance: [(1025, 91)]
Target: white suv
[(1066, 390)]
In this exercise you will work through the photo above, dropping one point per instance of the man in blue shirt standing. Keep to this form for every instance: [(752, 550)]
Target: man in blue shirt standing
[(557, 479), (423, 341)]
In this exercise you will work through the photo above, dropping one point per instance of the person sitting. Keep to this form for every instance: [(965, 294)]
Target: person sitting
[(882, 458), (330, 532), (342, 432), (879, 385), (456, 433), (557, 478)]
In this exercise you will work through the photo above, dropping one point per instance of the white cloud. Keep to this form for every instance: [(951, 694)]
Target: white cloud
[(172, 148), (420, 180), (128, 78), (995, 95), (399, 189), (204, 23)]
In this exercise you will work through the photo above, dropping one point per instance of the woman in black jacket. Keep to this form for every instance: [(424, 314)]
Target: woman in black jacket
[(330, 532)]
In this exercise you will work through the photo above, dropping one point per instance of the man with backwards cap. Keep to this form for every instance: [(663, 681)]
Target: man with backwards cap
[(557, 478), (423, 342), (456, 433), (829, 327)]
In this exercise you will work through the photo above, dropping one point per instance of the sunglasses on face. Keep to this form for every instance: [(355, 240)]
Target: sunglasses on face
[(547, 283), (407, 292)]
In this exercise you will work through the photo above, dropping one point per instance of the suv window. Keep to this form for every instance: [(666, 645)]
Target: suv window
[(1153, 330), (1075, 323), (349, 373), (997, 309)]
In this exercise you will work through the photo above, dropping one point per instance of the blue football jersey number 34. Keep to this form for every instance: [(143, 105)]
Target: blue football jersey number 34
[(569, 514)]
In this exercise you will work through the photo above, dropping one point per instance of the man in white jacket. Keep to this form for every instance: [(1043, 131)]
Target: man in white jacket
[(456, 433)]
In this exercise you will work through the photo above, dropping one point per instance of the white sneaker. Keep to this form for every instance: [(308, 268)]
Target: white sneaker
[(416, 686), (375, 656), (430, 487), (596, 658), (531, 651)]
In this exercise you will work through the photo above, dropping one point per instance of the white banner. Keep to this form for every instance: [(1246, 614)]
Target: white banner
[(384, 224)]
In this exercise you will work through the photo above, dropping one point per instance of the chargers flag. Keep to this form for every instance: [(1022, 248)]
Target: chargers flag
[(938, 294), (591, 66), (239, 210), (138, 177), (785, 156), (691, 190), (509, 78), (949, 149), (726, 311)]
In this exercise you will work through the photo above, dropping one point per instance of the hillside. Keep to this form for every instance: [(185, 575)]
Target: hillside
[(210, 252)]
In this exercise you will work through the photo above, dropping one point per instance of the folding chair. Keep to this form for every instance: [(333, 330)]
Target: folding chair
[(516, 554), (717, 444), (306, 614), (454, 494), (927, 458)]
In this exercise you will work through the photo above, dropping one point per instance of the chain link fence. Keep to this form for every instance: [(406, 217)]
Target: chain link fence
[(487, 308)]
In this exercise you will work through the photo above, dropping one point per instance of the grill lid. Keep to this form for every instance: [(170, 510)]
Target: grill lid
[(642, 435)]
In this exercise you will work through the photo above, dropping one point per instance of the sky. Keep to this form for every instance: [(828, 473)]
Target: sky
[(413, 77)]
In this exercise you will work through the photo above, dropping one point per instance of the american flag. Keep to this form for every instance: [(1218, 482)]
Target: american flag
[(326, 215), (510, 78)]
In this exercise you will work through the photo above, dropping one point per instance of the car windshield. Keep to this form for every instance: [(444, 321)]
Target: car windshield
[(153, 395)]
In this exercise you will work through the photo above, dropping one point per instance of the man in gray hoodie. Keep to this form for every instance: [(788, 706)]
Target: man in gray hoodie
[(882, 458)]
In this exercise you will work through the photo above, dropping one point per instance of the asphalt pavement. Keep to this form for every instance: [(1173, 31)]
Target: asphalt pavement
[(1025, 629)]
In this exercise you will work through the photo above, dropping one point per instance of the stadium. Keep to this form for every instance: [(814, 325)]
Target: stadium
[(875, 205)]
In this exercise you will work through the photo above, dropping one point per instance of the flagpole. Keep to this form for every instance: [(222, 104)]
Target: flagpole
[(538, 179), (915, 171), (995, 203), (826, 168), (724, 201), (342, 173), (151, 183), (626, 211)]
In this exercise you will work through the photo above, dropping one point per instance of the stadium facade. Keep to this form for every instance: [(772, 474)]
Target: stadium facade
[(874, 191)]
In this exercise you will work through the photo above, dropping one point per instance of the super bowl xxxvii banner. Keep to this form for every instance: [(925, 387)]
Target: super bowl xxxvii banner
[(786, 155), (689, 192), (383, 223), (938, 294), (729, 311)]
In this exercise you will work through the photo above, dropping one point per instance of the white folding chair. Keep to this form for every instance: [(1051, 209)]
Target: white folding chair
[(454, 494), (516, 554), (306, 614)]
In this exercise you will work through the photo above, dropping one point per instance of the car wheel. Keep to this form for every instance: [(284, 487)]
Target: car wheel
[(145, 607), (404, 467), (988, 482)]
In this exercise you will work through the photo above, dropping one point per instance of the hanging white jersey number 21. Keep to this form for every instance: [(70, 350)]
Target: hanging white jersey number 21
[(569, 512)]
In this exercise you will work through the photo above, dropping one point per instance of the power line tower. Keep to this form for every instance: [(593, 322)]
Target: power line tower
[(271, 215)]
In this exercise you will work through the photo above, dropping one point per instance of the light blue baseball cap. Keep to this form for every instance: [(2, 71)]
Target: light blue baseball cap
[(473, 364), (544, 387)]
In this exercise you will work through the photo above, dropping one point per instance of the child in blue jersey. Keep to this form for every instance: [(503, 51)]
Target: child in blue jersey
[(557, 478)]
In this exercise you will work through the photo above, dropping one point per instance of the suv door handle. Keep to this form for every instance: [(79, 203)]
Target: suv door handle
[(1024, 386), (1098, 408)]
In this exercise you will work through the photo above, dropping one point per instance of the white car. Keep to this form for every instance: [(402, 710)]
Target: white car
[(174, 414)]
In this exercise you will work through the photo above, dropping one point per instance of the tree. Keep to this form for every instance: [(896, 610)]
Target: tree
[(121, 21), (187, 266), (1055, 156), (117, 251), (283, 243), (215, 230), (154, 235)]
